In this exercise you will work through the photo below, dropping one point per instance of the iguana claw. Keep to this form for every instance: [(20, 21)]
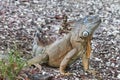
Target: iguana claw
[(66, 73), (93, 72)]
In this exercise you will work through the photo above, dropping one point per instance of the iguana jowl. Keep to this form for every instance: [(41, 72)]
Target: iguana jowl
[(74, 45)]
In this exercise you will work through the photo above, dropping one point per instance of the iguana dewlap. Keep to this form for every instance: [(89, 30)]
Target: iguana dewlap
[(74, 45)]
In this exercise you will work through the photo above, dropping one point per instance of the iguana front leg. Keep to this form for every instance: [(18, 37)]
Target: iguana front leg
[(66, 60), (85, 62)]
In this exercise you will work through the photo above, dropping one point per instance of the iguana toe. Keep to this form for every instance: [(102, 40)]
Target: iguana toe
[(93, 72), (67, 73)]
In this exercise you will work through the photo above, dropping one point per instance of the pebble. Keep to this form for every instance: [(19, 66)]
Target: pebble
[(77, 79), (118, 76), (113, 64), (36, 1), (107, 63), (17, 2), (97, 59)]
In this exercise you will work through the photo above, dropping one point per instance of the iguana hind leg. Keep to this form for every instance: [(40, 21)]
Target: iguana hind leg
[(66, 60), (42, 58)]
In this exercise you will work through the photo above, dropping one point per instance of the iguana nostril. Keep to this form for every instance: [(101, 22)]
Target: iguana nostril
[(85, 33)]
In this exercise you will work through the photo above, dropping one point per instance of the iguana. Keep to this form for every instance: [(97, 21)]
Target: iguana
[(74, 45)]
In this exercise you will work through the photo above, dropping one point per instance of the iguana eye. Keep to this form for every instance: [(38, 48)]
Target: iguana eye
[(85, 33)]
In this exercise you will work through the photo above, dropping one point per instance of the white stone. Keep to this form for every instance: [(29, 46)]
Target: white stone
[(77, 79), (2, 37), (5, 26), (35, 1), (43, 72), (17, 2), (118, 76), (108, 63), (24, 26), (113, 64), (97, 59)]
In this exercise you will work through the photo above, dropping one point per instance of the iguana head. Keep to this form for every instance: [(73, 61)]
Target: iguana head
[(88, 25)]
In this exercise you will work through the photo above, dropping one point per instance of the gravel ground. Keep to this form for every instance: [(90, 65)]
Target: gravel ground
[(20, 18)]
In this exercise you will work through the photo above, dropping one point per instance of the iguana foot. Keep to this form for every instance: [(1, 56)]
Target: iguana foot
[(65, 73), (38, 66), (91, 71), (94, 73)]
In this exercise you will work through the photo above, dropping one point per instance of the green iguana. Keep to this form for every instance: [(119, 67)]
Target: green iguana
[(74, 45)]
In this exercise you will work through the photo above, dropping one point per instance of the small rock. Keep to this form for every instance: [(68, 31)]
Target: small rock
[(108, 63), (77, 79), (17, 2), (113, 64), (97, 59), (118, 76), (35, 1), (39, 77)]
